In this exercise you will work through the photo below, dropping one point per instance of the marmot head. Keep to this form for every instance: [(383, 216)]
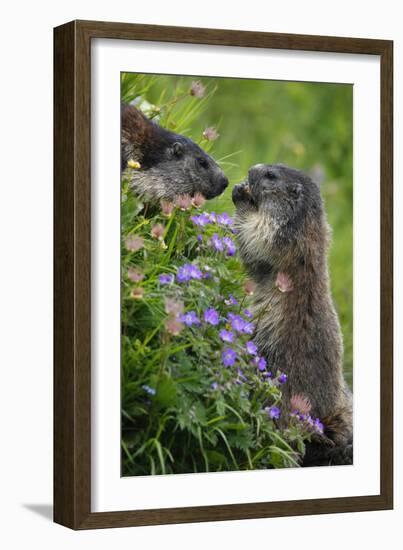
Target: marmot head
[(279, 217), (170, 164)]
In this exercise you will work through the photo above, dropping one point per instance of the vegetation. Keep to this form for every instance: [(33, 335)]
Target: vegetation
[(196, 395)]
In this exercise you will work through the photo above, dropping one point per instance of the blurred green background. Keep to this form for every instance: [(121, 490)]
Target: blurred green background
[(305, 125)]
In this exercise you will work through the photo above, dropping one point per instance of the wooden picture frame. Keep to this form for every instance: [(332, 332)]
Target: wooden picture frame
[(72, 270)]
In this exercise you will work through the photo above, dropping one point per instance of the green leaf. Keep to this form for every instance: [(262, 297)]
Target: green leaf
[(165, 390)]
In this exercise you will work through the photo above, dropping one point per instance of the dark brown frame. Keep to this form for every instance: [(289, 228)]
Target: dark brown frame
[(72, 319)]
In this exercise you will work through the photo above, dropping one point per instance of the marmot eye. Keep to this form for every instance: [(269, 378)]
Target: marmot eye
[(202, 162), (177, 149), (270, 175)]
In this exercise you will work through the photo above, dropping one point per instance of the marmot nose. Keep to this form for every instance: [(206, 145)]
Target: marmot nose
[(223, 183)]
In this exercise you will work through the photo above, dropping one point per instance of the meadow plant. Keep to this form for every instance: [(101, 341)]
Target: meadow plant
[(196, 394)]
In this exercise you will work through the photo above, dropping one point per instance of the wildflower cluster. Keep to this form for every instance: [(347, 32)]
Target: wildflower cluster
[(188, 348)]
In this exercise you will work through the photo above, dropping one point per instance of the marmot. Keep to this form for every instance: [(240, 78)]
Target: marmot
[(169, 164), (283, 237)]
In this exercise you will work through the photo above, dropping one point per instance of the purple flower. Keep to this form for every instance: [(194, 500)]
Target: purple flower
[(229, 245), (188, 272), (228, 357), (319, 427), (211, 316), (217, 243), (190, 318), (247, 313), (261, 363), (199, 238), (241, 375), (224, 219), (195, 272), (273, 412), (226, 335), (212, 217), (240, 325), (214, 386), (183, 274), (231, 301), (150, 391), (201, 220), (282, 378), (251, 348), (237, 322), (166, 278), (309, 420), (248, 328)]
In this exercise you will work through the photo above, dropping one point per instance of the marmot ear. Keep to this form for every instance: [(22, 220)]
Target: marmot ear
[(317, 174), (177, 149)]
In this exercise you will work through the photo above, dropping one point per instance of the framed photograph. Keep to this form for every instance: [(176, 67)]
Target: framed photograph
[(223, 275)]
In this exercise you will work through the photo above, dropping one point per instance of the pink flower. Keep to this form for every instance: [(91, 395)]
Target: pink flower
[(197, 89), (284, 282), (249, 287), (157, 231), (300, 403), (174, 326), (198, 200), (210, 134), (137, 293), (173, 307), (184, 202), (167, 208), (134, 243), (135, 275)]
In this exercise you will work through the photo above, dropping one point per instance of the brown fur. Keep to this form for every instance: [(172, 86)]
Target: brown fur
[(136, 133), (282, 228)]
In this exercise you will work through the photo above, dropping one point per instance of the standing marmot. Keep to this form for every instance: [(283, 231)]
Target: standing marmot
[(283, 241), (170, 164)]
